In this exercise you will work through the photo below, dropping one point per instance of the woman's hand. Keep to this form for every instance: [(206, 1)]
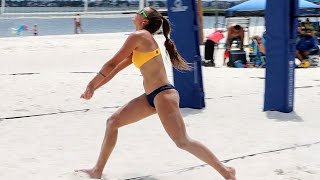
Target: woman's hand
[(88, 93)]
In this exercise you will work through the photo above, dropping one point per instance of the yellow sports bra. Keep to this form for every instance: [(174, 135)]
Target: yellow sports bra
[(139, 58)]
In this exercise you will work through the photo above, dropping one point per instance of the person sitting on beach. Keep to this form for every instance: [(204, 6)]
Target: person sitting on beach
[(259, 50), (261, 45), (235, 33), (160, 97), (19, 31), (307, 45)]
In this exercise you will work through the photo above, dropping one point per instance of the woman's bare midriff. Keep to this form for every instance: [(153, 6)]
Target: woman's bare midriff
[(154, 74)]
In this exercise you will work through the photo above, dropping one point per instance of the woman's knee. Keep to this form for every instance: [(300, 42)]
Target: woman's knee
[(182, 142), (112, 123)]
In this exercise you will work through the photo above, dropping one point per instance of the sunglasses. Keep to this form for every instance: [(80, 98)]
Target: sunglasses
[(142, 12)]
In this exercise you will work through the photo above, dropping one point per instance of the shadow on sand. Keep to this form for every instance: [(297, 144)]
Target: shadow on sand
[(188, 111), (279, 116)]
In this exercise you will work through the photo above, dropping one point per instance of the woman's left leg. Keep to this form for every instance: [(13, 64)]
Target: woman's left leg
[(167, 106)]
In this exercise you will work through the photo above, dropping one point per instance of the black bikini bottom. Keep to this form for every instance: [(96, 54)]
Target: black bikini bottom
[(153, 94)]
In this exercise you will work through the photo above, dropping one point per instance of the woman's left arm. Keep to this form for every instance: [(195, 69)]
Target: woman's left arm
[(125, 51), (118, 62), (118, 68)]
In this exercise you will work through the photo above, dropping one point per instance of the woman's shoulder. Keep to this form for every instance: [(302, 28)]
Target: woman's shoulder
[(142, 33), (137, 34)]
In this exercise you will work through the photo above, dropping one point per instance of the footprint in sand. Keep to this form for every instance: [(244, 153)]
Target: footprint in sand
[(279, 172)]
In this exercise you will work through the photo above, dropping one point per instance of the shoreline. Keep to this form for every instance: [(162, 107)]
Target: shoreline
[(58, 26)]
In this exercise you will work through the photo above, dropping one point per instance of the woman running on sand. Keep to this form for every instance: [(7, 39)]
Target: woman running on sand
[(160, 96)]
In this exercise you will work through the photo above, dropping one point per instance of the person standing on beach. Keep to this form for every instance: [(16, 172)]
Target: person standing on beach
[(235, 33), (35, 30), (77, 24), (160, 97)]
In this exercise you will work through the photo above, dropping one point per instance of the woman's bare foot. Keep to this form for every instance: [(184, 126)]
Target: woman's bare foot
[(232, 173), (91, 172)]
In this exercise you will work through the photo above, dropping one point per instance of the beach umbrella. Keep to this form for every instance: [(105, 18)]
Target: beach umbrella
[(257, 7)]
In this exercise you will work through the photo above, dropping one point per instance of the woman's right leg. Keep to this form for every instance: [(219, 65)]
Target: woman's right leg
[(135, 110)]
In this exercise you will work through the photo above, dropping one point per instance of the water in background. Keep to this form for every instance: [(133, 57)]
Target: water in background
[(63, 26)]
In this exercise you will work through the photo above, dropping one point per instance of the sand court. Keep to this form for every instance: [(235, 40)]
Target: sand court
[(47, 131)]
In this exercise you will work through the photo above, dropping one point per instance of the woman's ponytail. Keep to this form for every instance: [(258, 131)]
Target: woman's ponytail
[(177, 61)]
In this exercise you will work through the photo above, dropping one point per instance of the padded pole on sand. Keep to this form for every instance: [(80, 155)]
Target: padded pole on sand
[(281, 25), (185, 34)]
